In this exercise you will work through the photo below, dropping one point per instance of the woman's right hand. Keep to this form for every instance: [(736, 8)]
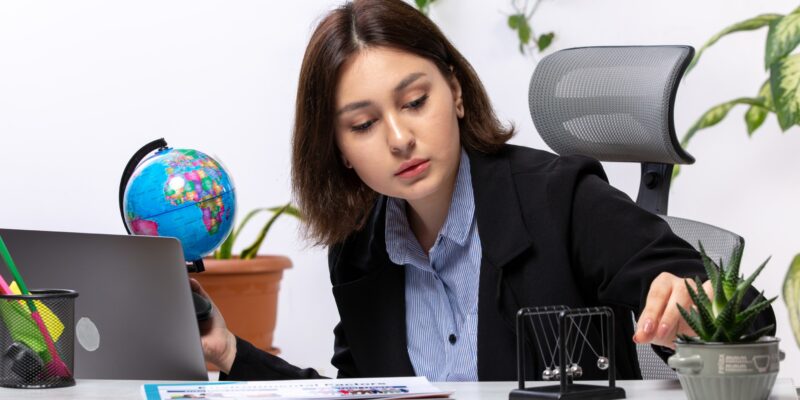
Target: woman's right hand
[(219, 344)]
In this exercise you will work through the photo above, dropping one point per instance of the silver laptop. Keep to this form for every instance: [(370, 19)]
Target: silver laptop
[(133, 289)]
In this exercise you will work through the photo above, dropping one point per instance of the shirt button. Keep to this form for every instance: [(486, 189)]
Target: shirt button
[(452, 338)]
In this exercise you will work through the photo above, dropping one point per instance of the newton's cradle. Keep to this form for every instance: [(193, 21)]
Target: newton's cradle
[(562, 337)]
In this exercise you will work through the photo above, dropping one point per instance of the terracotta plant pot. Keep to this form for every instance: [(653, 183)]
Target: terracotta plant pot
[(246, 293)]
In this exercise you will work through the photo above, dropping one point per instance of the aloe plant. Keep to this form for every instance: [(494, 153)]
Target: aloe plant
[(780, 92), (225, 250), (723, 319)]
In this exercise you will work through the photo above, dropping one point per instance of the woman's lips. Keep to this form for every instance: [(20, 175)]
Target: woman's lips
[(413, 169)]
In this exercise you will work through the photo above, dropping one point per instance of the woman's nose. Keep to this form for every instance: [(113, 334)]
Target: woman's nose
[(401, 140)]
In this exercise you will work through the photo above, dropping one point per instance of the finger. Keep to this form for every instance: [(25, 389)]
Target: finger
[(671, 319), (657, 297), (198, 288)]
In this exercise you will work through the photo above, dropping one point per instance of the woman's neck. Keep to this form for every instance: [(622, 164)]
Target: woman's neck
[(426, 216)]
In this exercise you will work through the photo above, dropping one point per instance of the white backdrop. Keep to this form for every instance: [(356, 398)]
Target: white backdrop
[(83, 84)]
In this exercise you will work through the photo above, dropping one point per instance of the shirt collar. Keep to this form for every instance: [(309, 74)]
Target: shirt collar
[(402, 246)]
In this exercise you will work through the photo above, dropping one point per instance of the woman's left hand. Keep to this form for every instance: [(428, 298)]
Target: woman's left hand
[(661, 322)]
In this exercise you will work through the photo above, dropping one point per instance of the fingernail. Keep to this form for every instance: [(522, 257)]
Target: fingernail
[(663, 331), (649, 326)]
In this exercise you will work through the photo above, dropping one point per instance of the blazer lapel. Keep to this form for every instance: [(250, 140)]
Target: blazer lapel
[(372, 306), (504, 237), (500, 225)]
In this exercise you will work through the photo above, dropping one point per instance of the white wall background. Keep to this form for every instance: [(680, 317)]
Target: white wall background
[(83, 84)]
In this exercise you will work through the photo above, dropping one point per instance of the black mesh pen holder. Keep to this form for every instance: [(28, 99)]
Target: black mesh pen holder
[(37, 337)]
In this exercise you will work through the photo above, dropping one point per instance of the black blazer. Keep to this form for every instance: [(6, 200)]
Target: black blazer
[(553, 232)]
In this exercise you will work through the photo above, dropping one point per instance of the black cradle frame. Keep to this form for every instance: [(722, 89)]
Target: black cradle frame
[(566, 389)]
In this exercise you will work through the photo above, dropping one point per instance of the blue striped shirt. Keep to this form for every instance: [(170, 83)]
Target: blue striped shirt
[(441, 288)]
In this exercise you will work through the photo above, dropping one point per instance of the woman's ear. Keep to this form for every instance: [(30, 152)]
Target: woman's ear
[(346, 163), (455, 87)]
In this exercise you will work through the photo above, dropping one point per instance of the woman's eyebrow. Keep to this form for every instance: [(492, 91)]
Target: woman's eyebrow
[(353, 106), (408, 80)]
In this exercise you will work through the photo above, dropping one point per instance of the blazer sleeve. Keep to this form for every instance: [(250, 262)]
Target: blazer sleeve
[(254, 364), (620, 248)]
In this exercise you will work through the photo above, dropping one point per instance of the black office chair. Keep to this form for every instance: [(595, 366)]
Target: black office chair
[(616, 104)]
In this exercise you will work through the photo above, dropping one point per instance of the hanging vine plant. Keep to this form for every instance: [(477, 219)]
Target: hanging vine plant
[(519, 21), (780, 92)]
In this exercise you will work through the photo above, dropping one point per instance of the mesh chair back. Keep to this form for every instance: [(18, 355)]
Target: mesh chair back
[(718, 244), (611, 103)]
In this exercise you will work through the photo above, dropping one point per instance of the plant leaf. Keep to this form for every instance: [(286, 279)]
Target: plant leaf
[(703, 305), (513, 20), (757, 334), (701, 294), (712, 270), (252, 250), (676, 171), (783, 37), (749, 281), (688, 339), (785, 84), (731, 279), (545, 40), (693, 320), (524, 31), (756, 115), (791, 296), (716, 114), (746, 25), (423, 5), (289, 210), (746, 317)]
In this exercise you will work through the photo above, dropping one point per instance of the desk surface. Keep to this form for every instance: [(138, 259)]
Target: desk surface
[(90, 389)]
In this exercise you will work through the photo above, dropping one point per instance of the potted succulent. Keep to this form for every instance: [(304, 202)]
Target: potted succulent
[(725, 360), (245, 287)]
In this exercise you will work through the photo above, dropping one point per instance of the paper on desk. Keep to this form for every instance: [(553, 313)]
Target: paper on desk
[(371, 388)]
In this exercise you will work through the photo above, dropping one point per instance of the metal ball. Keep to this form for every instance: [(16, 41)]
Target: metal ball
[(575, 371), (602, 363), (556, 373), (547, 374)]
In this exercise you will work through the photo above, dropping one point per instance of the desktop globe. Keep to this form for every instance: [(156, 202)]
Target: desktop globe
[(183, 194)]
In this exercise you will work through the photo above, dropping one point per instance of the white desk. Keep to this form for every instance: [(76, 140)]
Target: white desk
[(91, 389)]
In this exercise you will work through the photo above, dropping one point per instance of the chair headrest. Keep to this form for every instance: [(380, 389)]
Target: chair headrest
[(611, 103)]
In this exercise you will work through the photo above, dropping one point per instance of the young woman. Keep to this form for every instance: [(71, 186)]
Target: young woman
[(438, 231)]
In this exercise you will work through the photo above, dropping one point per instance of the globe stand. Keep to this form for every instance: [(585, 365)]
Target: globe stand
[(564, 353), (202, 306), (196, 266)]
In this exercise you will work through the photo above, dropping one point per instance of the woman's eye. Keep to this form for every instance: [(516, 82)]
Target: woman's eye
[(416, 103), (362, 127)]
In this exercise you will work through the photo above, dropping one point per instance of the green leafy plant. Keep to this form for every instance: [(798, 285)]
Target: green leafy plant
[(520, 21), (791, 296), (723, 319), (780, 92), (225, 250), (424, 5)]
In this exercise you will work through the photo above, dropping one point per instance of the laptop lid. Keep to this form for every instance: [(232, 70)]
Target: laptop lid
[(133, 289)]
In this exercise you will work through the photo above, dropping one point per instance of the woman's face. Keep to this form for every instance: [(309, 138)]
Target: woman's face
[(397, 123)]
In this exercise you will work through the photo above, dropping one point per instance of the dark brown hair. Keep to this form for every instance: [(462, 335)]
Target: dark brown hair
[(333, 200)]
